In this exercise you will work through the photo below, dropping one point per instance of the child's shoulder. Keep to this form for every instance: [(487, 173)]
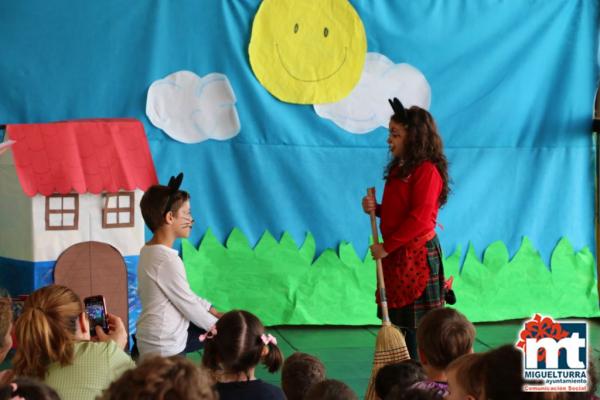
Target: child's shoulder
[(157, 256), (158, 250)]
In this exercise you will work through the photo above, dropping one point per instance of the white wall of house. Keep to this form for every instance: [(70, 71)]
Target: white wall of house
[(48, 245)]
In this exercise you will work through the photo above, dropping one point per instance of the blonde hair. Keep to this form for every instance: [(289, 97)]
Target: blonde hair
[(468, 372), (46, 330)]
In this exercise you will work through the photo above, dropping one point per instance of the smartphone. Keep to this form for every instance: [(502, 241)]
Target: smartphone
[(17, 306), (95, 307)]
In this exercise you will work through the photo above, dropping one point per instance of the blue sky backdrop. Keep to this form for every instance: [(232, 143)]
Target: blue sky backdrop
[(512, 83)]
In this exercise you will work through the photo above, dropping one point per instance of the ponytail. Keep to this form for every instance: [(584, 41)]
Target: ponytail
[(238, 344), (46, 330), (273, 359)]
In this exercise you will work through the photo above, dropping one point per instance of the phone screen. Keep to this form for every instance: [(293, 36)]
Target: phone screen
[(94, 307)]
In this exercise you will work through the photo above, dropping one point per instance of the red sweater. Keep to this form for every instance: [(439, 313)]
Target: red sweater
[(409, 206)]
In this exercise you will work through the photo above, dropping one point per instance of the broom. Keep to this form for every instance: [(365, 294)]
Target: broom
[(390, 346)]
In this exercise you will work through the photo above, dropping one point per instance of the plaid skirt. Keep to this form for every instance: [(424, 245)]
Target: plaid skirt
[(432, 297)]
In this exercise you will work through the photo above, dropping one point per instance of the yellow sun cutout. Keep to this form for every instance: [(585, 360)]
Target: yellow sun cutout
[(307, 51)]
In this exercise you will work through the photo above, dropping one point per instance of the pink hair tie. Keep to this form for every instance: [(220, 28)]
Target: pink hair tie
[(14, 389), (266, 339), (211, 333)]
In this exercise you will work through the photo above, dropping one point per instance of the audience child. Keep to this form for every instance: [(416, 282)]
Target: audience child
[(233, 348), (330, 389), (403, 374), (172, 316), (299, 372), (465, 377), (160, 378), (416, 187), (24, 388), (53, 335), (6, 341), (443, 335), (502, 373)]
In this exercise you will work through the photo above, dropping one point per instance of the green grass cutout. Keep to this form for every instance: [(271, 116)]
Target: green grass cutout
[(283, 284), (498, 288), (279, 282)]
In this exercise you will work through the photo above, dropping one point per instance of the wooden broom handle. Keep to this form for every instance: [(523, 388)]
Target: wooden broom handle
[(385, 317)]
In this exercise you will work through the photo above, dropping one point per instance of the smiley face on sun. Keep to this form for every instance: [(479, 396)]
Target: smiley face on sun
[(307, 51)]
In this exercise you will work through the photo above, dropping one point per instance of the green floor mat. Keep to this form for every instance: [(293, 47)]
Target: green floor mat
[(305, 338)]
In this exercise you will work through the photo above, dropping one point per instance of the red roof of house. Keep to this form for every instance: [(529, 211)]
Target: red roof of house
[(101, 155)]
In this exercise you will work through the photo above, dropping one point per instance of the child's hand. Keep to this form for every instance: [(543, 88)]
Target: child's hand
[(116, 331), (378, 251), (368, 204), (214, 312)]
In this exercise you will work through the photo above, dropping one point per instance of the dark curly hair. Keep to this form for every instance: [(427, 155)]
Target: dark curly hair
[(159, 378), (423, 143), (300, 371)]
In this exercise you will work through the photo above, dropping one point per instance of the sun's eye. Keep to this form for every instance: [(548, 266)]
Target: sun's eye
[(296, 28), (325, 32)]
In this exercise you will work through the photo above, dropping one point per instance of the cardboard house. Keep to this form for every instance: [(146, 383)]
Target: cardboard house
[(70, 191)]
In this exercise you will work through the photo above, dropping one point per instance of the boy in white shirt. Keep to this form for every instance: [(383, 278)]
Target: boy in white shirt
[(172, 316)]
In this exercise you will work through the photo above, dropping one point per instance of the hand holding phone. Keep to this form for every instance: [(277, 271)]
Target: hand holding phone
[(95, 307), (116, 331)]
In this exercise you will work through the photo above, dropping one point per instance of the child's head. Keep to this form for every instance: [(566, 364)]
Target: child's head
[(29, 389), (465, 377), (162, 378), (330, 389), (164, 205), (299, 372), (503, 373), (47, 329), (5, 326), (414, 138), (239, 343), (443, 335), (403, 374)]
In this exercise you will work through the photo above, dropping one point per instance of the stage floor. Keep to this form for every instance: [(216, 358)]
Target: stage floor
[(347, 352)]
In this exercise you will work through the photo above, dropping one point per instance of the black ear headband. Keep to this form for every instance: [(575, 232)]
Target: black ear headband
[(399, 110), (174, 184)]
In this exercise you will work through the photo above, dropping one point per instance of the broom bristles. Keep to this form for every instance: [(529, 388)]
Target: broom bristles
[(390, 347)]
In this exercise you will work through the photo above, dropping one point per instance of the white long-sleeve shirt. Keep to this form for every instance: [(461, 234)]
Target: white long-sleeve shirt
[(168, 303)]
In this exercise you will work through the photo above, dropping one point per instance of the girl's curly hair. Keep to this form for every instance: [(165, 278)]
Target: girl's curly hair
[(423, 143)]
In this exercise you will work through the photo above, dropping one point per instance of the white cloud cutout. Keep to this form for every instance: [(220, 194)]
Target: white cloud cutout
[(191, 109), (366, 107)]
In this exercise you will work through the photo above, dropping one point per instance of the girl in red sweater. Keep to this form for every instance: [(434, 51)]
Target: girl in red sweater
[(416, 186)]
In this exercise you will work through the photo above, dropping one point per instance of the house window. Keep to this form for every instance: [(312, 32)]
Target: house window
[(62, 212), (118, 210)]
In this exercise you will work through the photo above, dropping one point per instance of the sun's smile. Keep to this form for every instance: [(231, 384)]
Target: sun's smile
[(327, 76)]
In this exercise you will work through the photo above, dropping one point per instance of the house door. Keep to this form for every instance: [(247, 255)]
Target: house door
[(95, 268)]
